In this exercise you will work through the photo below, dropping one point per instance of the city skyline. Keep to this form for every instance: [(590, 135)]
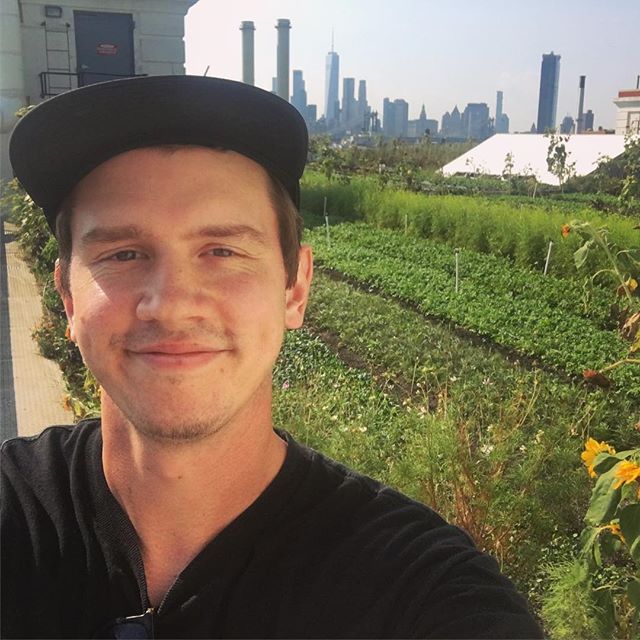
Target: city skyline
[(432, 53)]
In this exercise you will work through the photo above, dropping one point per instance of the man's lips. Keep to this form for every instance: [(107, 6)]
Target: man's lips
[(176, 355)]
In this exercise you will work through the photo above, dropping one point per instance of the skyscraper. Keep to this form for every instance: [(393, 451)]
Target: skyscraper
[(332, 78), (548, 100), (363, 107), (501, 124), (452, 124), (299, 95), (395, 118), (475, 121), (567, 125), (588, 120), (348, 114)]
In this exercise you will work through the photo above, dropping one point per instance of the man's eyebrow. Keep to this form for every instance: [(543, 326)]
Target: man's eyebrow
[(229, 231), (99, 235)]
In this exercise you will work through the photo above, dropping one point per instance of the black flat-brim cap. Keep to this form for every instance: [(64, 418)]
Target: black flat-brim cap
[(63, 139)]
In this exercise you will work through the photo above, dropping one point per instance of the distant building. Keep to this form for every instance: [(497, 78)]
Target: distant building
[(567, 125), (548, 98), (452, 124), (388, 118), (299, 95), (348, 113), (423, 126), (501, 123), (475, 121), (332, 79), (588, 120), (432, 127), (395, 118), (299, 100), (363, 109), (312, 114)]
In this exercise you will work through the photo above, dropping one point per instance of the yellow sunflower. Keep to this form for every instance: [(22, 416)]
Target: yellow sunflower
[(627, 472), (591, 449)]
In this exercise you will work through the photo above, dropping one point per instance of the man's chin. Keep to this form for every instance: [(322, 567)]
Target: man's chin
[(175, 432)]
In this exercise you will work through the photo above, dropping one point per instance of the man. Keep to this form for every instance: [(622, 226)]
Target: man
[(182, 512)]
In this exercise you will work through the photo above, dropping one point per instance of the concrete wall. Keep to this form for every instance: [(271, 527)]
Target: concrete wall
[(158, 41)]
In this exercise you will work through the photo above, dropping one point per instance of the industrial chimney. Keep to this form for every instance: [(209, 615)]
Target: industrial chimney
[(247, 29), (580, 123), (283, 27)]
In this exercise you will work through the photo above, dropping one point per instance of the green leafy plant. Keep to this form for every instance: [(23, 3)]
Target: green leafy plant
[(558, 158)]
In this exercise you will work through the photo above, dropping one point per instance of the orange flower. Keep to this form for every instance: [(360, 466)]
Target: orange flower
[(614, 527), (596, 378), (566, 229), (591, 449), (626, 473)]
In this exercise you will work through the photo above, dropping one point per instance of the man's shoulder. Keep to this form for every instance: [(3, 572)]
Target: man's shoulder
[(46, 458), (367, 506), (376, 544), (53, 439)]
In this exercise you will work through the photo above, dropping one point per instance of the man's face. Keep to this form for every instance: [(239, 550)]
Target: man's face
[(177, 288)]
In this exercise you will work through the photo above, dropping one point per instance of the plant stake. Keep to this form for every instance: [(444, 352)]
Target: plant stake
[(546, 264), (326, 220)]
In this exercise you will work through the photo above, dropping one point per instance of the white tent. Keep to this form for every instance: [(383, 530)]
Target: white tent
[(529, 155)]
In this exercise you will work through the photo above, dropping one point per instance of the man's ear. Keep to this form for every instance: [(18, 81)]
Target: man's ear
[(67, 300), (298, 295)]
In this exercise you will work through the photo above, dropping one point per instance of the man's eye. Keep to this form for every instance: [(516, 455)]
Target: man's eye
[(125, 255), (221, 252)]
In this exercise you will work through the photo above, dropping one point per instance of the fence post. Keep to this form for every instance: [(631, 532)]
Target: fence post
[(457, 270)]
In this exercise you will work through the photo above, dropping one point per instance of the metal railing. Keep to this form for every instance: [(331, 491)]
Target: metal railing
[(73, 80)]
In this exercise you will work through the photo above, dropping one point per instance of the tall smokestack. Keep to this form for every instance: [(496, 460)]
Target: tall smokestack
[(247, 29), (580, 123), (283, 26)]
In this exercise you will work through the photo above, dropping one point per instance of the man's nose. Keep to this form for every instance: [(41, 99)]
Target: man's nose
[(170, 294)]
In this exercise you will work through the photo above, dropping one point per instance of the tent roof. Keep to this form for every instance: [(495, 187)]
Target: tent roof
[(529, 155)]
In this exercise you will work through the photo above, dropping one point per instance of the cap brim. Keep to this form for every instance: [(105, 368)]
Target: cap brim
[(63, 139)]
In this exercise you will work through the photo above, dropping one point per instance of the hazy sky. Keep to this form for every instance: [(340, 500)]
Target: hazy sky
[(436, 52)]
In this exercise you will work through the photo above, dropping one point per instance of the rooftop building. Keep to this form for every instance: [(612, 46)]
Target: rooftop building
[(628, 116)]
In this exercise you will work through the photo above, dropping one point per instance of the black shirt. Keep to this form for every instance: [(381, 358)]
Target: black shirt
[(323, 552)]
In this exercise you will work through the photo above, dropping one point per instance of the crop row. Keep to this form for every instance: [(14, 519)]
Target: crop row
[(514, 230), (538, 316), (426, 362)]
